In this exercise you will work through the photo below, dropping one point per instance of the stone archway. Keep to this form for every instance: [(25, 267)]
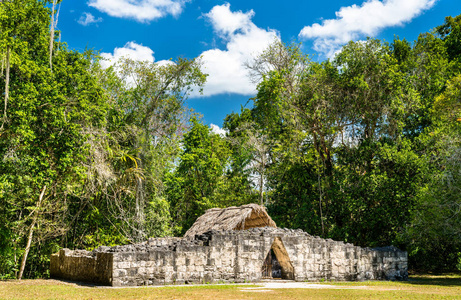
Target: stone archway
[(281, 259)]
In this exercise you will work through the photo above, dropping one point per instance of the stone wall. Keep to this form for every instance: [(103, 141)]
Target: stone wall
[(81, 265), (229, 256)]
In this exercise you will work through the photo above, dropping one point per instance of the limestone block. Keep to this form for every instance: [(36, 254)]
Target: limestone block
[(142, 271), (254, 256), (387, 260), (120, 273), (191, 268), (141, 256), (200, 260), (123, 265), (141, 263), (124, 257), (118, 282)]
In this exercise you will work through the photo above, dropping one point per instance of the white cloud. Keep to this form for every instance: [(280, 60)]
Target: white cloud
[(139, 10), (87, 19), (163, 63), (354, 22), (218, 130), (227, 22), (131, 50), (245, 40), (227, 74)]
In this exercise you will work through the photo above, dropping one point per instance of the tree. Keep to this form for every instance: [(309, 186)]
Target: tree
[(450, 33), (252, 142), (83, 150), (435, 227), (141, 142), (241, 174), (42, 131), (334, 143), (197, 182)]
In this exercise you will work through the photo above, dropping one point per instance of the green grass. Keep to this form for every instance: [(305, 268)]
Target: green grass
[(418, 287)]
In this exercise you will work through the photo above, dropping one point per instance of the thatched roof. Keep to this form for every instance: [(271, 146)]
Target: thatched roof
[(231, 218)]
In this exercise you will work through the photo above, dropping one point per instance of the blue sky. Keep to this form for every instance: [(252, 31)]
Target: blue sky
[(228, 33)]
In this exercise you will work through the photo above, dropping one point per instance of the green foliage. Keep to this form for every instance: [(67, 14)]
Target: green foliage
[(96, 145), (140, 143), (380, 196), (435, 229), (42, 133), (357, 149), (200, 181), (450, 33), (339, 151)]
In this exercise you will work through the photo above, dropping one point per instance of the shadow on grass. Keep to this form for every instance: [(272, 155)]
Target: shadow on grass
[(452, 279), (82, 283)]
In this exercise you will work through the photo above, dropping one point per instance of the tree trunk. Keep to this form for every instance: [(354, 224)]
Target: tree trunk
[(31, 233), (139, 222), (320, 204), (52, 34), (7, 85), (261, 185)]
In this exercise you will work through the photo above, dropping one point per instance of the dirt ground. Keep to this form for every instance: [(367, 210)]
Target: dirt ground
[(418, 287), (286, 284), (260, 286)]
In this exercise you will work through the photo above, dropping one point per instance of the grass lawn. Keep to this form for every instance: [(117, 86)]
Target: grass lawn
[(418, 287)]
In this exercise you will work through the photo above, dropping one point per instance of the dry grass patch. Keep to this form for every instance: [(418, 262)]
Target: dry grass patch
[(419, 287)]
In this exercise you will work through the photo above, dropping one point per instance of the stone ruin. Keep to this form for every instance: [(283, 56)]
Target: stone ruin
[(228, 256)]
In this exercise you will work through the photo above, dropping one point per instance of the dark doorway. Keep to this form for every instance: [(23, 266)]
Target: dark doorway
[(267, 266), (271, 267), (276, 268), (277, 263)]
